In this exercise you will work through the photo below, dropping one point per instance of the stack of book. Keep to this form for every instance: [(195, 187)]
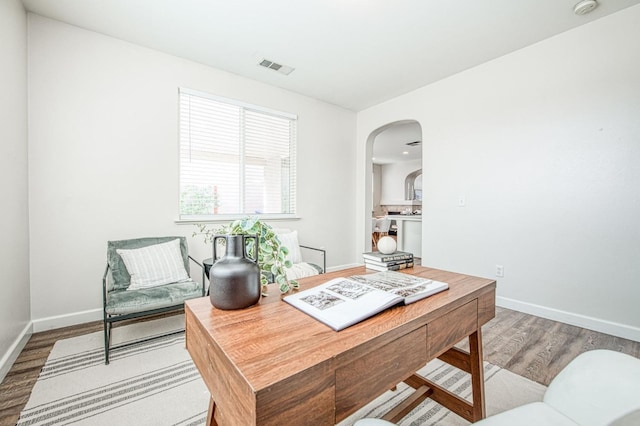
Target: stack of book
[(387, 262)]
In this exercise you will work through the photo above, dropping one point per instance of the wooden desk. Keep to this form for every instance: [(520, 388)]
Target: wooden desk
[(271, 364)]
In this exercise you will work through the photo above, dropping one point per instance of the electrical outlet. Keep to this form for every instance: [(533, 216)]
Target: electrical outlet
[(499, 271)]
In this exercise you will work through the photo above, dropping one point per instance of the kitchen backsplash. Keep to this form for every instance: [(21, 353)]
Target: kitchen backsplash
[(411, 206)]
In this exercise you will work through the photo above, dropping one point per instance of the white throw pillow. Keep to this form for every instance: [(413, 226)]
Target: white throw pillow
[(300, 270), (290, 241), (154, 265)]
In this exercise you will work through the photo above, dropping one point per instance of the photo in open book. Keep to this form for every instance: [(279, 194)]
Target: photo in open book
[(390, 280), (322, 300), (350, 289), (409, 291)]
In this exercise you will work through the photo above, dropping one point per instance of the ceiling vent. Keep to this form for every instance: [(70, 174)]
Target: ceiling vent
[(414, 143), (282, 69)]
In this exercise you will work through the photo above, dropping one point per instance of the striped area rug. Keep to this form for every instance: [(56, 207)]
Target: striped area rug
[(155, 383), (503, 390)]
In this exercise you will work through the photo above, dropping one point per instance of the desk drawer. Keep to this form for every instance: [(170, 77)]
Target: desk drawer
[(372, 374), (449, 329)]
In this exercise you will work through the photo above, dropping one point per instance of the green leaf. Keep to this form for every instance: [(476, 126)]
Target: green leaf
[(271, 254)]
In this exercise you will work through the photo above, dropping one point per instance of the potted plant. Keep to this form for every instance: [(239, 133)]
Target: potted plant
[(271, 254)]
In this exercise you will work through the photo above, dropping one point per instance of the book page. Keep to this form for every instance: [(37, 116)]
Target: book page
[(409, 287), (342, 302)]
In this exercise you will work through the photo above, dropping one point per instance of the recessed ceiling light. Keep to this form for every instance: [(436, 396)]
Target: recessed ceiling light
[(405, 152), (585, 6)]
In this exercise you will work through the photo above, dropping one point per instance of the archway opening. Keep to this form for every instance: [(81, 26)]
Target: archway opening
[(393, 153)]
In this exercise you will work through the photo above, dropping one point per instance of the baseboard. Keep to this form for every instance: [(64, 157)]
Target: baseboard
[(602, 326), (337, 268), (12, 354), (59, 321)]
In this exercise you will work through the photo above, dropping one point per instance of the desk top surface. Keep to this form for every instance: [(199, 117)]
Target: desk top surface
[(273, 340)]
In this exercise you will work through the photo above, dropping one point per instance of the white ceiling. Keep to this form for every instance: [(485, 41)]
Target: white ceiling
[(351, 53), (390, 146)]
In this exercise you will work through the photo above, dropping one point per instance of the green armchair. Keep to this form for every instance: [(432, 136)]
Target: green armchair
[(143, 277)]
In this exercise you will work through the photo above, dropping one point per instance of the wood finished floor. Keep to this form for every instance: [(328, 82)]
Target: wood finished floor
[(529, 346)]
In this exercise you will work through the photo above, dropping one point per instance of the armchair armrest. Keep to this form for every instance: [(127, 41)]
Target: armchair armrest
[(324, 256), (104, 285), (202, 268), (196, 262)]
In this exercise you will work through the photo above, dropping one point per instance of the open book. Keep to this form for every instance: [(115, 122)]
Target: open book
[(342, 302)]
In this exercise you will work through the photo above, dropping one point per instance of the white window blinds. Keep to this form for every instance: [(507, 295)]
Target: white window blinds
[(235, 159)]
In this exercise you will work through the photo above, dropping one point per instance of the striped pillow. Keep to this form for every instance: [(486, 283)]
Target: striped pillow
[(154, 265)]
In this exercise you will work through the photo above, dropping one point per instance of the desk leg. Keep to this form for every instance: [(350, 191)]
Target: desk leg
[(477, 375), (211, 421), (470, 362)]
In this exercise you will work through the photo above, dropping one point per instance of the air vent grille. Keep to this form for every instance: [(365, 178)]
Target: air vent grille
[(283, 69)]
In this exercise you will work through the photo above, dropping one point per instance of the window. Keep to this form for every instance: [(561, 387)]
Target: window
[(235, 159)]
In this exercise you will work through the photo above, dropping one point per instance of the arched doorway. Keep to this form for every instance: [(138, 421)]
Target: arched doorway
[(393, 153)]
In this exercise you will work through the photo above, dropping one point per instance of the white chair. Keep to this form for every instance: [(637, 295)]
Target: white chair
[(380, 229), (300, 268), (597, 388)]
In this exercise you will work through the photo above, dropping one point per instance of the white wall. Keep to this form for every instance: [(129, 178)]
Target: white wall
[(103, 160), (14, 225), (393, 178), (545, 145), (377, 189)]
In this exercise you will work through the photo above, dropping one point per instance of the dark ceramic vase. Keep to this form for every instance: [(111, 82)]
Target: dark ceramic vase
[(235, 278)]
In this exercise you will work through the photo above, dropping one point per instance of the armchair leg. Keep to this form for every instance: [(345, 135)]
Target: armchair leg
[(107, 341)]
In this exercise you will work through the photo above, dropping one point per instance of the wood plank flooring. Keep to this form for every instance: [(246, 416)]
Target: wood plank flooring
[(538, 348), (16, 386), (529, 346)]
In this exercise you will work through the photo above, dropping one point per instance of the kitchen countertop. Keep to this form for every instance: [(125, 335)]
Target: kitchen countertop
[(404, 216)]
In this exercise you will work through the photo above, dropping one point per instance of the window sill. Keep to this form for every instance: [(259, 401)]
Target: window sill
[(231, 218)]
